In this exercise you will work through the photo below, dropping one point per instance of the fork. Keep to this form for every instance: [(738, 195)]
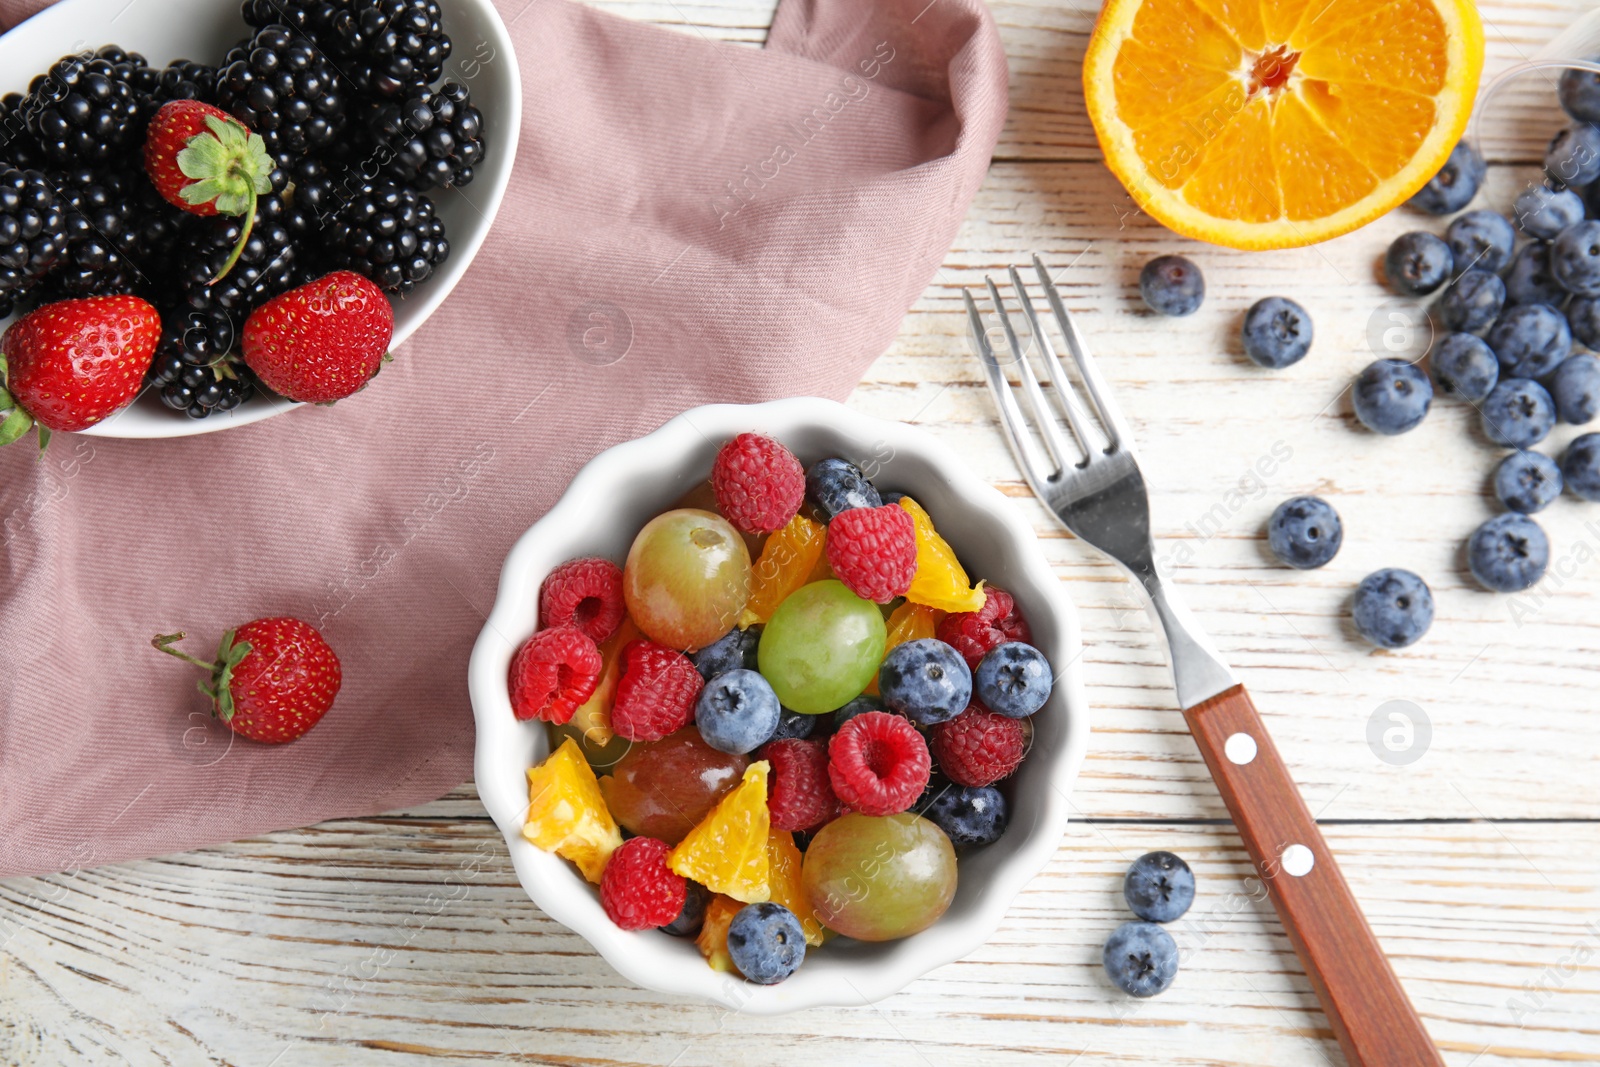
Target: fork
[(1095, 488)]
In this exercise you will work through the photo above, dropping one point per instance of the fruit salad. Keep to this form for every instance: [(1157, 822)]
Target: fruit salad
[(780, 721)]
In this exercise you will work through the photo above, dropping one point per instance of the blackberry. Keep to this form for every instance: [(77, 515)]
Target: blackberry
[(388, 233), (83, 110), (436, 137), (392, 48), (193, 368), (265, 267), (311, 17), (18, 146), (33, 232), (119, 232), (280, 85), (184, 79)]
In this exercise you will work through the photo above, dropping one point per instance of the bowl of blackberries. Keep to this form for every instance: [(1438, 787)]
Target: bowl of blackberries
[(223, 210)]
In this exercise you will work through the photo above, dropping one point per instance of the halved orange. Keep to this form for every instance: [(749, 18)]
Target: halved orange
[(1277, 123)]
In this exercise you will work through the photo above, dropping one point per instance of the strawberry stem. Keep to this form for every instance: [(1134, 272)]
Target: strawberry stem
[(164, 642), (244, 237)]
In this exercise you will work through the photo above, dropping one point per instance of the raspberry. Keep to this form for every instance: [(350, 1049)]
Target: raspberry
[(873, 551), (759, 484), (878, 764), (656, 693), (800, 796), (974, 633), (637, 889), (978, 747), (553, 673), (586, 593)]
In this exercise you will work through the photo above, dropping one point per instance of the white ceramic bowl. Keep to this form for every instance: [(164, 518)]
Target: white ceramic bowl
[(202, 30), (606, 505)]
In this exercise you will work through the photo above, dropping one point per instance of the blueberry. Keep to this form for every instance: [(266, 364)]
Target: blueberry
[(1276, 332), (835, 485), (737, 712), (1456, 183), (1530, 340), (735, 650), (925, 680), (1575, 387), (1159, 887), (1172, 285), (1580, 467), (1464, 366), (1305, 532), (1141, 958), (1526, 482), (969, 815), (1393, 608), (1417, 263), (687, 924), (893, 496), (1579, 92), (1575, 259), (1481, 240), (1583, 318), (1529, 280), (856, 707), (1472, 302), (1543, 212), (792, 724), (766, 943), (1518, 413), (1013, 679), (1392, 396), (1574, 155), (1509, 553)]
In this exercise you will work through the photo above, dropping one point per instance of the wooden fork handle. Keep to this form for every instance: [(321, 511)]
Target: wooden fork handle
[(1364, 1001)]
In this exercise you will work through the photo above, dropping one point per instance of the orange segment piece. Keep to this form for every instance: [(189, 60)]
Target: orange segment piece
[(727, 851), (939, 581), (783, 864), (713, 937), (908, 622), (786, 562), (566, 814), (593, 717), (1276, 123)]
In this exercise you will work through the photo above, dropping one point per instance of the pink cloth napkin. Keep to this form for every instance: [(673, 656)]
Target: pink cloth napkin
[(662, 186)]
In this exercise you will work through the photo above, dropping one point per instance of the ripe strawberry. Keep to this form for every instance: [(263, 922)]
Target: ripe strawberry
[(273, 679), (205, 161), (69, 364), (321, 342)]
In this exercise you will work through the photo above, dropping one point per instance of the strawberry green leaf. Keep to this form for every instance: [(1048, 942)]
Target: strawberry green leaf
[(15, 425)]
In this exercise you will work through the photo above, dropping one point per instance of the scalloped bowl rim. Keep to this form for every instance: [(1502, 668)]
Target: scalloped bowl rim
[(862, 973)]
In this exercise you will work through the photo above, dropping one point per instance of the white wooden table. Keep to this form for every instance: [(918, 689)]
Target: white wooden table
[(1478, 863)]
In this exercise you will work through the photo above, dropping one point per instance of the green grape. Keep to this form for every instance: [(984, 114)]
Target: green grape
[(687, 578), (877, 878), (821, 647)]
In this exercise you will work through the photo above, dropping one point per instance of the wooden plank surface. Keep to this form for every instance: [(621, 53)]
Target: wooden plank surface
[(405, 939)]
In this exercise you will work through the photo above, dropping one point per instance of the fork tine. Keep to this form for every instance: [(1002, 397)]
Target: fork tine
[(1011, 418), (1099, 392), (1044, 419), (1089, 436)]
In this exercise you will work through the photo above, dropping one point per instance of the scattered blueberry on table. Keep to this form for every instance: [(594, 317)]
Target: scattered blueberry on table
[(1575, 259), (1481, 240), (1530, 340), (1574, 155), (1305, 532), (1583, 317), (1529, 280), (1580, 467), (1518, 413), (1455, 185), (1140, 958), (1575, 387), (1579, 93), (1542, 212), (1277, 332), (1527, 482), (1159, 887), (1392, 396), (1472, 302), (1393, 608), (1509, 553), (1464, 366), (1417, 263), (1172, 285)]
